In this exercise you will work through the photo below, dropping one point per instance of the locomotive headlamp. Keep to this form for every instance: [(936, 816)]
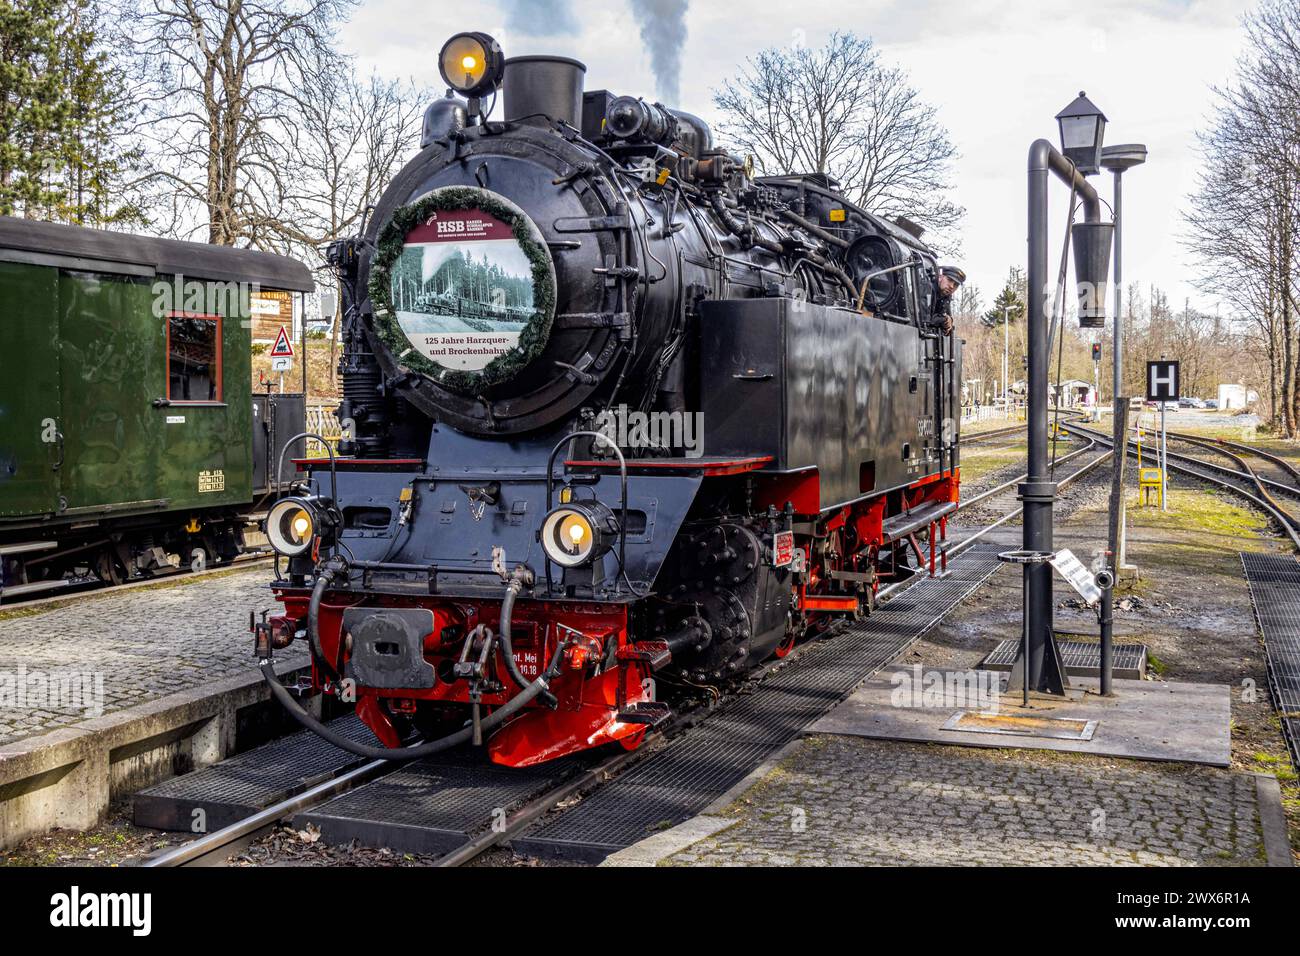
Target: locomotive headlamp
[(472, 64), (292, 523), (578, 533)]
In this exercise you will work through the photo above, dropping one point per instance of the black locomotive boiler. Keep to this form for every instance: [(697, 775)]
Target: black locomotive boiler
[(613, 406)]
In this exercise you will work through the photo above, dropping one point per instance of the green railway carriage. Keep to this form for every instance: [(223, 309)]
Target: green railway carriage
[(129, 434)]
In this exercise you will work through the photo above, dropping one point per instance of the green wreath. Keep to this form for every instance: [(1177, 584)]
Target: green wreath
[(536, 332)]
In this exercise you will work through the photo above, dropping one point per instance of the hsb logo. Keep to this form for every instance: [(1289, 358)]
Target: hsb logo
[(445, 226)]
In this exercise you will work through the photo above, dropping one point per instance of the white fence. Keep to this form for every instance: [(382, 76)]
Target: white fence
[(322, 420), (988, 413)]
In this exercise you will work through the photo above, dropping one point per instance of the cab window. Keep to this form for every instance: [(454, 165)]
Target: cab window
[(193, 357), (907, 307)]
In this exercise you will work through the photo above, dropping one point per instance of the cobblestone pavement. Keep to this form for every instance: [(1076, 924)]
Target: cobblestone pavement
[(124, 648), (845, 801)]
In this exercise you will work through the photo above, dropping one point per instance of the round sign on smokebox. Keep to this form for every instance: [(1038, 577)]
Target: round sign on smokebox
[(463, 287)]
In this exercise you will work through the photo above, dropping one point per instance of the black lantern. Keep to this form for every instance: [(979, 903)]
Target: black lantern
[(1083, 127)]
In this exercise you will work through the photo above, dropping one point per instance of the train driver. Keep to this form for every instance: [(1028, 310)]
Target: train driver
[(946, 280)]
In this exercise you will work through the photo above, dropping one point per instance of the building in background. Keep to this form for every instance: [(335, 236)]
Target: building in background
[(1236, 397)]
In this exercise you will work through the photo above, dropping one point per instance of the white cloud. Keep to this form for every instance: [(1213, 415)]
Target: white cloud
[(998, 71)]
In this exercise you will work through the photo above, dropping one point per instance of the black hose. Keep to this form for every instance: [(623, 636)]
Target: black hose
[(507, 649), (427, 749), (313, 621)]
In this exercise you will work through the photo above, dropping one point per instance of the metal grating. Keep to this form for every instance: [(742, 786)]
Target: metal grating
[(431, 806), (240, 786), (680, 781), (1081, 658), (1275, 589)]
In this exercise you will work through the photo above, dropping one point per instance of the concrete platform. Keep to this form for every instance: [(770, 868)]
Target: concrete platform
[(105, 693), (1145, 720), (69, 777)]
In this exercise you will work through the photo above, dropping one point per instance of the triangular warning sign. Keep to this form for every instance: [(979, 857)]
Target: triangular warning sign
[(282, 345)]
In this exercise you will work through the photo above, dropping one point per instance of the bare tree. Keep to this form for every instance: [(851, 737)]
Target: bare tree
[(223, 76), (839, 110), (1245, 214), (345, 139)]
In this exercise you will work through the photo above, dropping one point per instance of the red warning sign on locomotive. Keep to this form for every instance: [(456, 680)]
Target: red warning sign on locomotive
[(782, 548)]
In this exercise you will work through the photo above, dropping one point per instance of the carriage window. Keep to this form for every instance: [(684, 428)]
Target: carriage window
[(193, 358)]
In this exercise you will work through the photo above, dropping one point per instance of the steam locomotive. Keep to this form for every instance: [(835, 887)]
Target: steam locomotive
[(615, 409)]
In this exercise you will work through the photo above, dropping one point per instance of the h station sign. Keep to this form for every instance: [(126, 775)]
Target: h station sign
[(1162, 381)]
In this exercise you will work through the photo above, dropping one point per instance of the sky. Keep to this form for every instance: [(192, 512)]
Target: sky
[(997, 71)]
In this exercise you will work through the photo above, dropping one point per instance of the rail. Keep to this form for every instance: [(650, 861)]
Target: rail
[(1202, 470)]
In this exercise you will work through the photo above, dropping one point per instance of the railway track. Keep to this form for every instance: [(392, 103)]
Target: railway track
[(993, 433), (1286, 517), (79, 590), (1018, 428), (1237, 452), (216, 848), (1277, 460)]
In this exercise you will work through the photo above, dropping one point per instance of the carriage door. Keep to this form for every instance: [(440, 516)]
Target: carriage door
[(31, 445), (109, 376)]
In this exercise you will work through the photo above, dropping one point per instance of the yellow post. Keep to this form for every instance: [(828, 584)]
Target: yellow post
[(1149, 480)]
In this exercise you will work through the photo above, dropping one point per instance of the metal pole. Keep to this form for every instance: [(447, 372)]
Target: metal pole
[(1117, 159), (1119, 436), (1117, 349), (302, 318), (1044, 671), (1164, 460), (1107, 664), (1118, 516), (1006, 357)]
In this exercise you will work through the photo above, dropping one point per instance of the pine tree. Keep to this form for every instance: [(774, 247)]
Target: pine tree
[(1010, 302), (96, 152), (64, 112), (32, 108)]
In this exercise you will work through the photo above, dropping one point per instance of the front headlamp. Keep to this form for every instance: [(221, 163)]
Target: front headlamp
[(293, 523), (472, 64), (578, 533)]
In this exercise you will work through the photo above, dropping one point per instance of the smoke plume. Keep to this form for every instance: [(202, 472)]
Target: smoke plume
[(663, 30), (540, 17)]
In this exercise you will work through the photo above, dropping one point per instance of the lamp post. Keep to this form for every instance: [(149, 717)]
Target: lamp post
[(1117, 159)]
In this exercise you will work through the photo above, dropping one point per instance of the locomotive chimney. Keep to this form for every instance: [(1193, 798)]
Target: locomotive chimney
[(542, 88)]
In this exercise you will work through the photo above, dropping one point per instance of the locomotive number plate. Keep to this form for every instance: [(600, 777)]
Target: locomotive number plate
[(782, 548)]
